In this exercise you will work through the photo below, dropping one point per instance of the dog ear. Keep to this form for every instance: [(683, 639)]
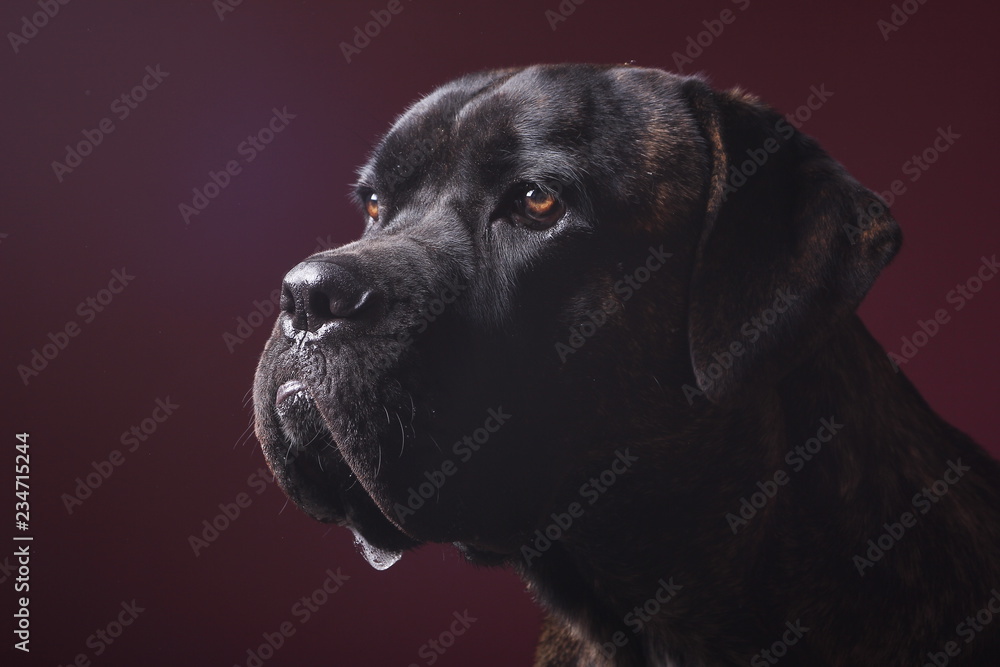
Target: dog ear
[(791, 244)]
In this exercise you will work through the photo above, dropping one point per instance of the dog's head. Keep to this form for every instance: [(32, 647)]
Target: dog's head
[(556, 261)]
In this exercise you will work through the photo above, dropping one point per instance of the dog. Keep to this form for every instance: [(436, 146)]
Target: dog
[(600, 328)]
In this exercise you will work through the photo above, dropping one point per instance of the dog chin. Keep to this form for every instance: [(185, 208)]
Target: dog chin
[(310, 470)]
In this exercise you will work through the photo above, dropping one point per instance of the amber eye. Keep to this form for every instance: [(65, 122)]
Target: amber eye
[(371, 206), (538, 208)]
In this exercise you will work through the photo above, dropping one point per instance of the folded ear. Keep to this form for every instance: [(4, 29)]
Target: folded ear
[(790, 246)]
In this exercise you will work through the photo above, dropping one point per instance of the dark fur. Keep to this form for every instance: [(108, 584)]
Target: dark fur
[(641, 158)]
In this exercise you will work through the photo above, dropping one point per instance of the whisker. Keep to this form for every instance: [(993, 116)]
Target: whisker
[(402, 433), (244, 436)]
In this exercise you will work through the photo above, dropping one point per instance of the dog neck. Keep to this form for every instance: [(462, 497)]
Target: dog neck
[(752, 520)]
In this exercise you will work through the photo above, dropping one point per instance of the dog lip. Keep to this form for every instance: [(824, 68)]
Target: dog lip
[(287, 390), (334, 498)]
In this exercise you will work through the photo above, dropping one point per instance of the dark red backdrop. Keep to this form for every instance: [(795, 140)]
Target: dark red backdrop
[(162, 335)]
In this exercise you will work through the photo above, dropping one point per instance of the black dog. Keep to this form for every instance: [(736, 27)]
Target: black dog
[(600, 328)]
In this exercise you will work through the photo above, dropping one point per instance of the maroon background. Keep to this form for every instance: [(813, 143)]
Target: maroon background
[(163, 335)]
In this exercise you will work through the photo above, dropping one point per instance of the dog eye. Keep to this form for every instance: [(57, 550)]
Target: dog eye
[(538, 208), (371, 206)]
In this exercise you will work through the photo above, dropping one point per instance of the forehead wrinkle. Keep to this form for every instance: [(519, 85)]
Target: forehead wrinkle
[(521, 99), (550, 163), (535, 116), (447, 101), (433, 115), (557, 127)]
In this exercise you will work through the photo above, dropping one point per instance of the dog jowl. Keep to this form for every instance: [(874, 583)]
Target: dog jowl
[(413, 388)]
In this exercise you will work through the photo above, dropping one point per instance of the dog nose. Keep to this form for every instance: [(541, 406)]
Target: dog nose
[(318, 291)]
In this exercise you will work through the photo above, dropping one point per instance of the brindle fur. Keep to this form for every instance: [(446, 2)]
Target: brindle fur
[(641, 158)]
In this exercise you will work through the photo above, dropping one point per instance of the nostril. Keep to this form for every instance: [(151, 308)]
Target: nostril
[(287, 301), (316, 292), (322, 305), (340, 306)]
